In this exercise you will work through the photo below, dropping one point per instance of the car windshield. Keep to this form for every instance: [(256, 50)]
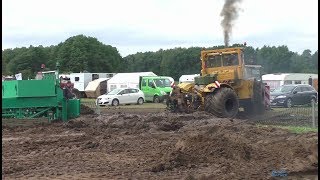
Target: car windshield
[(162, 82), (113, 92), (283, 89)]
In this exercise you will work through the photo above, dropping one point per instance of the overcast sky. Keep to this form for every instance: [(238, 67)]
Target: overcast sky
[(148, 25)]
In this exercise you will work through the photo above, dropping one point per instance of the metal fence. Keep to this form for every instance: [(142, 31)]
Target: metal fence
[(306, 116)]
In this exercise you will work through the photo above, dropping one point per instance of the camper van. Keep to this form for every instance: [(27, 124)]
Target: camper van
[(126, 80), (155, 88)]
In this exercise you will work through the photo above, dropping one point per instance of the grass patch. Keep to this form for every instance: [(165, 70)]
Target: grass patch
[(294, 129), (87, 100), (295, 111)]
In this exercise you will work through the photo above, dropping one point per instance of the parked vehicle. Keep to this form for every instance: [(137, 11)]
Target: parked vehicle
[(155, 88), (226, 83), (279, 79), (81, 80), (293, 94), (121, 96), (126, 80)]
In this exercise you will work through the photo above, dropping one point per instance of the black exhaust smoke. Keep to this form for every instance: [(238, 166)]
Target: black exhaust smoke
[(229, 14)]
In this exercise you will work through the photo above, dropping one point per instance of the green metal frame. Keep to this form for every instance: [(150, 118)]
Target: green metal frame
[(30, 99)]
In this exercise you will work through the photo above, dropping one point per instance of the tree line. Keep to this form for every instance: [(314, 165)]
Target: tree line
[(81, 53)]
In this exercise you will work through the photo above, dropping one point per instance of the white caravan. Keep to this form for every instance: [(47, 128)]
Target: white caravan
[(276, 80), (81, 80)]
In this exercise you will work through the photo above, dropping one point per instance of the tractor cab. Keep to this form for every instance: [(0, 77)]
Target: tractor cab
[(221, 65), (252, 71)]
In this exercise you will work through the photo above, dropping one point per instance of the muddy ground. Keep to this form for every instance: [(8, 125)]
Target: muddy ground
[(157, 145)]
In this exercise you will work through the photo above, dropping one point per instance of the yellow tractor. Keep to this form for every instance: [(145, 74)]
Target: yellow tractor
[(225, 85)]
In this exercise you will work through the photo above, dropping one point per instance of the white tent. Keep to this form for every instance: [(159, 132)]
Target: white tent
[(127, 80), (96, 88)]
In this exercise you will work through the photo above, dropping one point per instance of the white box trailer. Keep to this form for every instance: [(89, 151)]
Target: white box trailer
[(276, 80), (126, 80), (81, 80)]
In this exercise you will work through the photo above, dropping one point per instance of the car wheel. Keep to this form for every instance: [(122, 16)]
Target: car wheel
[(115, 102), (288, 103), (156, 99), (140, 101)]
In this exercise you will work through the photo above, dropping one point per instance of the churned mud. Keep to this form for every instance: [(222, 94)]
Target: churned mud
[(157, 145), (85, 110)]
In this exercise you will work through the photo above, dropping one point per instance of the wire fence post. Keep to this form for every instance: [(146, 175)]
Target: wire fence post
[(97, 107), (313, 114)]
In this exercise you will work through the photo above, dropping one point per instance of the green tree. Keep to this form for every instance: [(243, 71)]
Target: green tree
[(274, 59), (80, 53), (28, 61)]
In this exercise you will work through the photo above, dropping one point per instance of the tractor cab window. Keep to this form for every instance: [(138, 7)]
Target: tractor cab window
[(213, 61), (222, 60), (230, 59), (252, 71)]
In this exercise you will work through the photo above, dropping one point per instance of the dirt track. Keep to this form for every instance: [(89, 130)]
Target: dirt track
[(154, 146)]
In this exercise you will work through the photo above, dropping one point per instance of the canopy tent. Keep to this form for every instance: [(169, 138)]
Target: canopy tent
[(96, 87)]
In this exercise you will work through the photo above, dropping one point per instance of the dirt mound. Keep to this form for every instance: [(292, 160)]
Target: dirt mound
[(86, 110), (239, 148), (154, 146), (134, 123)]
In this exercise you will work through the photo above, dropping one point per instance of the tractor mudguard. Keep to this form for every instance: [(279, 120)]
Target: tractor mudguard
[(186, 87), (211, 87)]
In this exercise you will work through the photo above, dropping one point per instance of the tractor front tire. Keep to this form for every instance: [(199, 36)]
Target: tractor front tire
[(223, 103)]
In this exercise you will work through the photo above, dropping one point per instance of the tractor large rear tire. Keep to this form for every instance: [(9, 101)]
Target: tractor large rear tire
[(223, 103)]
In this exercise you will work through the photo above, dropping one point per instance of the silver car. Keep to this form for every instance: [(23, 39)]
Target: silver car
[(121, 96)]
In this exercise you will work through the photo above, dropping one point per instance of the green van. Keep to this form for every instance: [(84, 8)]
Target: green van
[(155, 88)]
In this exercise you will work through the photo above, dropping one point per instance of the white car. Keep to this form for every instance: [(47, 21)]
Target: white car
[(121, 96)]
